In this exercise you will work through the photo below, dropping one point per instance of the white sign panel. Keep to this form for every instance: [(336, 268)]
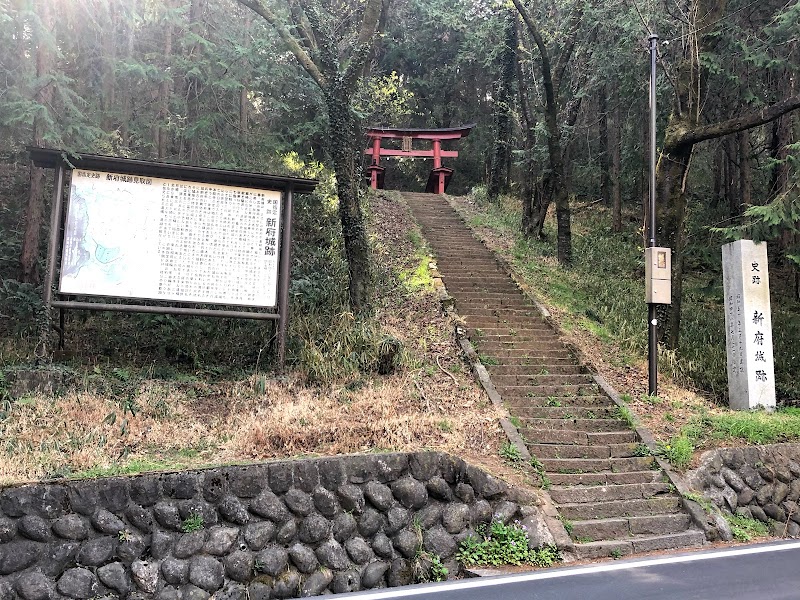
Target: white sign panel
[(748, 326), (165, 239)]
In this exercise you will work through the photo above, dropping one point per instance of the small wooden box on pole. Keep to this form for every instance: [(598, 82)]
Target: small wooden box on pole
[(748, 326)]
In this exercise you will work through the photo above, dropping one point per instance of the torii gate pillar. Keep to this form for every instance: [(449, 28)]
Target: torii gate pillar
[(439, 177)]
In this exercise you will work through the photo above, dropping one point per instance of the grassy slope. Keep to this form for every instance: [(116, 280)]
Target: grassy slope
[(602, 296)]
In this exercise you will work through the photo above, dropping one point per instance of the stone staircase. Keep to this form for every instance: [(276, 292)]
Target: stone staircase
[(611, 495)]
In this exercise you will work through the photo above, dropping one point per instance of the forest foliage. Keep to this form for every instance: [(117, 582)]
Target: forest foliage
[(558, 90)]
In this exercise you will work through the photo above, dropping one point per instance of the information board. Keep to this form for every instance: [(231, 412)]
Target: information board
[(167, 239)]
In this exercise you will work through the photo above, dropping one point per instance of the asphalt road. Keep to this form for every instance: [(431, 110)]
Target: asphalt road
[(755, 572)]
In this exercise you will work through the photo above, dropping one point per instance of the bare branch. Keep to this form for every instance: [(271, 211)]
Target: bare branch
[(294, 46), (740, 123)]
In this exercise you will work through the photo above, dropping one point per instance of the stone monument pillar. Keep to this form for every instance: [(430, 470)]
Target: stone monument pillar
[(748, 326)]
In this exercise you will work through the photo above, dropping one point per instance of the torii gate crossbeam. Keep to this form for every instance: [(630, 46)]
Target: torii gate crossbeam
[(439, 177)]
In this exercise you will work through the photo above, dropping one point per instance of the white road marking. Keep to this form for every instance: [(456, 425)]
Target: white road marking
[(405, 591)]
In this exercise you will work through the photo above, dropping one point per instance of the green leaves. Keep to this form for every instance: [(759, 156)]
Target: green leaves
[(504, 545)]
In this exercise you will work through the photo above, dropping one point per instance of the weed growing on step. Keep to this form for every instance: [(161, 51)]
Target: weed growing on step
[(502, 544), (678, 451), (515, 421), (624, 414), (510, 453), (488, 360), (553, 401), (616, 554), (642, 450), (568, 526)]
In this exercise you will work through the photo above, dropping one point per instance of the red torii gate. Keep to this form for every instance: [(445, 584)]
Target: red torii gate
[(439, 177)]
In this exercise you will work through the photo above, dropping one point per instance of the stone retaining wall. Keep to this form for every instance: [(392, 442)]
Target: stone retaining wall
[(274, 530), (760, 482)]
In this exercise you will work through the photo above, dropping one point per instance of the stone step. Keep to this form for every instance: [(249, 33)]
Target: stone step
[(539, 380), (590, 402), (511, 333), (594, 425), (566, 390), (617, 528), (543, 451), (640, 544), (529, 371), (605, 478), (502, 313), (537, 355), (484, 288), (594, 465), (566, 412), (545, 342), (537, 361), (578, 437), (608, 493), (580, 511)]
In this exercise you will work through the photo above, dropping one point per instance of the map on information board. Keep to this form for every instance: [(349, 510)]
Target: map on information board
[(166, 239)]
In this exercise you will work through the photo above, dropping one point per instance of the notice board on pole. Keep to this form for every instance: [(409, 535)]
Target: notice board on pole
[(154, 238)]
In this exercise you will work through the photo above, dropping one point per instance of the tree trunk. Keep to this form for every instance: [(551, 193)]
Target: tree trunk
[(244, 100), (718, 174), (605, 147), (343, 135), (125, 89), (498, 171), (109, 45), (164, 89), (745, 172), (34, 210), (615, 143)]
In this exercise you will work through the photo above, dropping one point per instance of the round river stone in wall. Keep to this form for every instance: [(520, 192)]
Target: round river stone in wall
[(269, 506), (78, 583), (326, 502), (258, 535), (34, 528), (332, 555), (272, 560), (206, 573), (439, 489), (410, 492), (299, 502), (239, 565), (220, 540), (373, 574), (351, 498), (106, 522), (232, 510), (115, 577), (314, 528), (175, 572), (344, 526), (35, 586), (379, 495), (303, 558)]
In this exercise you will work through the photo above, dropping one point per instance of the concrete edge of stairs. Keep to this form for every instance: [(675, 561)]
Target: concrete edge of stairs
[(563, 540)]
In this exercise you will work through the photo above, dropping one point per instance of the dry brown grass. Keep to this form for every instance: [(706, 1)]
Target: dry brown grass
[(432, 404)]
